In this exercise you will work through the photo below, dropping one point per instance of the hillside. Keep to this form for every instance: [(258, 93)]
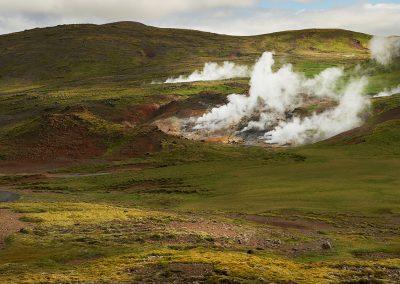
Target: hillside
[(136, 51)]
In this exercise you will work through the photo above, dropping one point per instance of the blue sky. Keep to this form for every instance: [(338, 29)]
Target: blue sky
[(237, 17), (316, 4)]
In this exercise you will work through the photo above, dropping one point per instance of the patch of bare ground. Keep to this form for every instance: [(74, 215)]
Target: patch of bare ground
[(175, 272), (58, 136), (148, 141), (228, 235), (380, 226), (28, 167), (215, 229), (193, 106), (162, 185), (376, 255), (298, 224), (393, 113), (292, 236), (9, 224), (368, 274)]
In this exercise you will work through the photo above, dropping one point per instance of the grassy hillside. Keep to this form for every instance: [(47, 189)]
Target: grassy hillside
[(105, 196), (135, 51), (106, 70)]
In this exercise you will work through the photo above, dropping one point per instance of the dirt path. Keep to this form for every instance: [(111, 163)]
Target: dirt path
[(74, 175), (9, 224)]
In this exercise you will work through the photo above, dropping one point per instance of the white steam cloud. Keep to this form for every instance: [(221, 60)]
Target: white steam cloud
[(273, 95), (326, 124), (388, 93), (212, 71), (384, 49)]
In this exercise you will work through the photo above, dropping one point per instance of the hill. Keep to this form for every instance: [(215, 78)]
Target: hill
[(136, 51)]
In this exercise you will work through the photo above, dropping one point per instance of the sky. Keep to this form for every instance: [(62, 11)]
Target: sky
[(235, 17)]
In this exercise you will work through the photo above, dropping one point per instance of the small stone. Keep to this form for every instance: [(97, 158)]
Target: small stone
[(24, 231), (250, 251), (326, 245), (277, 242)]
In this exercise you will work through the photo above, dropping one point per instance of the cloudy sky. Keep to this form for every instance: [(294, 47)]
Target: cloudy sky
[(240, 17)]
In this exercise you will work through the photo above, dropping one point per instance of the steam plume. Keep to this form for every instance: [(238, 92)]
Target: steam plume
[(273, 95), (388, 93), (213, 71), (327, 124), (384, 49)]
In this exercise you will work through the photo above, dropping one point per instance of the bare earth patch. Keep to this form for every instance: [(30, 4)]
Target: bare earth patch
[(9, 224), (175, 272), (298, 224)]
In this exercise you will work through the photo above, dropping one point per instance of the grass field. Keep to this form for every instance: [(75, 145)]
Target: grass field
[(105, 197)]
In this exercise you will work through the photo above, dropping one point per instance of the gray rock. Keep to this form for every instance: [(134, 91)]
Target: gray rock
[(326, 245)]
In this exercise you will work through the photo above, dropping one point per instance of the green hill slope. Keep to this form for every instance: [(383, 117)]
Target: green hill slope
[(104, 71), (135, 50)]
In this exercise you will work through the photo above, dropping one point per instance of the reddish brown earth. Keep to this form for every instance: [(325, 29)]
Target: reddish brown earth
[(145, 142), (175, 272), (61, 136), (139, 113), (9, 224), (299, 224), (389, 115)]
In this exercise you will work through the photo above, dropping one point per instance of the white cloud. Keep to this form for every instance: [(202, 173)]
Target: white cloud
[(110, 9), (240, 17), (376, 19)]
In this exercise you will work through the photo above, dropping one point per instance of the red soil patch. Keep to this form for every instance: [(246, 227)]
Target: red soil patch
[(228, 235), (350, 137), (212, 228), (357, 44), (60, 136), (9, 224), (175, 272), (149, 141), (29, 167), (139, 113), (389, 115), (298, 224), (193, 106)]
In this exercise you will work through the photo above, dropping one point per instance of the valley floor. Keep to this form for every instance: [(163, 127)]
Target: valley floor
[(310, 215)]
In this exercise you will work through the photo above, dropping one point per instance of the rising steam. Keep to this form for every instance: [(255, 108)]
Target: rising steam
[(212, 71), (326, 124), (274, 95), (384, 49), (388, 93)]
